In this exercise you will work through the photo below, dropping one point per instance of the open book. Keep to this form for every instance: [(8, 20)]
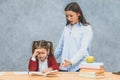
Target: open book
[(49, 73)]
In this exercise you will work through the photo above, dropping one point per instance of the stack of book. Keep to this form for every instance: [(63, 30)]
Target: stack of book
[(92, 70)]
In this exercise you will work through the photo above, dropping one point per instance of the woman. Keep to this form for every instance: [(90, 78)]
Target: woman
[(75, 41)]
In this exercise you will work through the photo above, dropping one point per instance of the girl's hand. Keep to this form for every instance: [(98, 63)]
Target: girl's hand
[(36, 52), (66, 63)]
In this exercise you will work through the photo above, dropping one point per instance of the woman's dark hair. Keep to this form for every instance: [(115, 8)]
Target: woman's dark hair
[(73, 6), (43, 44)]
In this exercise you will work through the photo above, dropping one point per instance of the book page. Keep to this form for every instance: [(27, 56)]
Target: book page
[(50, 73), (53, 72)]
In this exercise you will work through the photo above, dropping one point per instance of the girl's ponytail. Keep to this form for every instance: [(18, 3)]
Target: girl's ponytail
[(51, 50)]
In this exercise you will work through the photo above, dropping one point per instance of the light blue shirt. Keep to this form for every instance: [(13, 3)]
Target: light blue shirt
[(74, 45)]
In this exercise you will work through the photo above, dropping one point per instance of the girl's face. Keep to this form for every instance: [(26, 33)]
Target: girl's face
[(72, 17), (42, 54)]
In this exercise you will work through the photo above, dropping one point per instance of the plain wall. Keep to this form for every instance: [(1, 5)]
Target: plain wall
[(23, 21)]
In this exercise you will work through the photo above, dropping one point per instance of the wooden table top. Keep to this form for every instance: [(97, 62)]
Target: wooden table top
[(61, 76)]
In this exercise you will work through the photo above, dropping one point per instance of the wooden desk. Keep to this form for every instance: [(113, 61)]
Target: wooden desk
[(13, 76), (62, 76)]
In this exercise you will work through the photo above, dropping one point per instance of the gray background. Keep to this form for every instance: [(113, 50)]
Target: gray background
[(23, 21)]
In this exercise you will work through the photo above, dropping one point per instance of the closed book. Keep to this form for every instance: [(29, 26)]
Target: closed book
[(94, 65), (92, 73), (92, 70), (91, 76)]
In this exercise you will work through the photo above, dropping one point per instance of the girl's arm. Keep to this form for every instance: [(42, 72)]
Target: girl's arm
[(52, 64), (33, 65), (33, 62)]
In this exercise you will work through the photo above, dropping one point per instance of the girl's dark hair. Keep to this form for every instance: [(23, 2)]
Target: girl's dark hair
[(43, 44), (73, 6), (35, 46), (51, 50)]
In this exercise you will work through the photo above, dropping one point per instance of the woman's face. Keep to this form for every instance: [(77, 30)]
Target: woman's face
[(42, 54), (72, 17)]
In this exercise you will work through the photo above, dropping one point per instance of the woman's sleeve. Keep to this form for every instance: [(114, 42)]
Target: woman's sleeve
[(33, 65), (59, 48), (86, 40)]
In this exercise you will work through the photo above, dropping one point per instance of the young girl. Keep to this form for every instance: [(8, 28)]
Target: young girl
[(42, 58), (76, 38)]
